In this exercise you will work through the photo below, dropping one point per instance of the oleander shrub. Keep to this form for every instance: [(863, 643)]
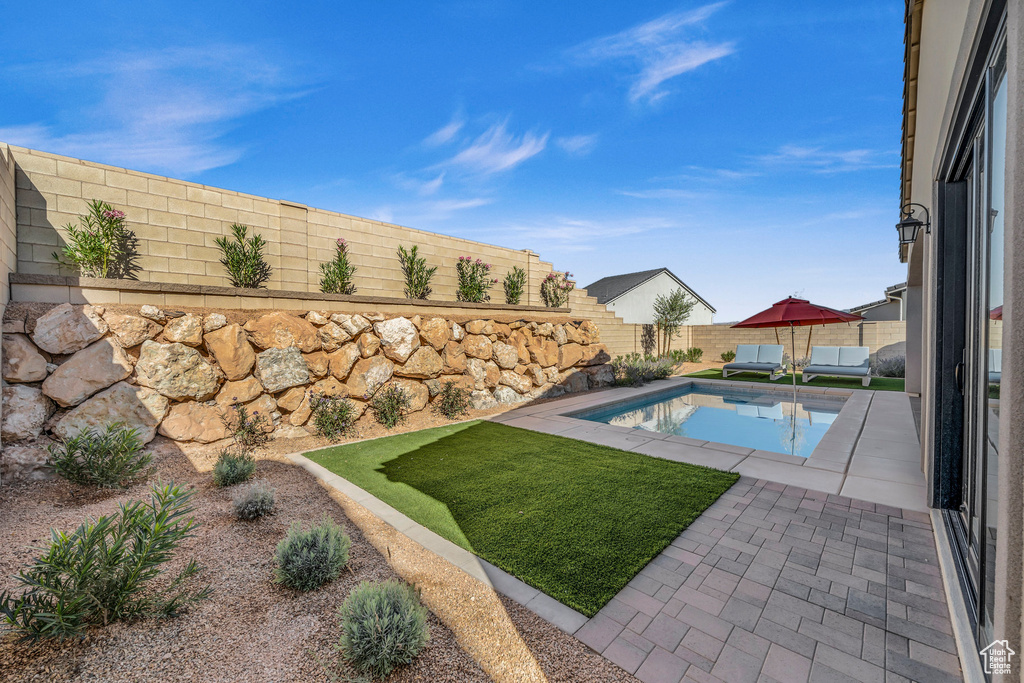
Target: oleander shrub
[(337, 275), (233, 467), (307, 560), (416, 272), (555, 288), (893, 366), (389, 406), (383, 626), (728, 356), (101, 245), (249, 430), (332, 416), (110, 569), (514, 285), (693, 355), (254, 500), (113, 458), (243, 258), (452, 401), (474, 280), (635, 370)]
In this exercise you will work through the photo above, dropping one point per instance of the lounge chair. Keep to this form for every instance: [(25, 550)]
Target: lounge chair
[(761, 358), (995, 365), (839, 361)]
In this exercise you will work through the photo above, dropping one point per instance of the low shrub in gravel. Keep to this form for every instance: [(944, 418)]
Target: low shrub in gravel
[(113, 458), (308, 559), (452, 402), (250, 431), (728, 356), (233, 467), (389, 406), (254, 501), (333, 416), (635, 370), (893, 366), (105, 571), (383, 625)]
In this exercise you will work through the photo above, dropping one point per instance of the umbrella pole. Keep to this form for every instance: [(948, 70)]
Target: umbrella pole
[(792, 334), (810, 331)]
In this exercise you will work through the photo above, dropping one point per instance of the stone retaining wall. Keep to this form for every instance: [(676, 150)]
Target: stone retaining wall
[(178, 373)]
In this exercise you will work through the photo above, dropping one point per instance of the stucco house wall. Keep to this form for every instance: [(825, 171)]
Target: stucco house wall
[(637, 305)]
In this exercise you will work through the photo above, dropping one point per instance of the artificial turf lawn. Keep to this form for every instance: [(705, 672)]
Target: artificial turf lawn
[(573, 519), (877, 383)]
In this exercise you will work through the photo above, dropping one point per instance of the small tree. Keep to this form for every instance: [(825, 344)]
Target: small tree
[(670, 312), (515, 285), (417, 274), (101, 245), (243, 258), (338, 273)]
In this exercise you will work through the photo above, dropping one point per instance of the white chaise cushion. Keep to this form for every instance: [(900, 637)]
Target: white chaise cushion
[(770, 353), (854, 356), (825, 355), (746, 353)]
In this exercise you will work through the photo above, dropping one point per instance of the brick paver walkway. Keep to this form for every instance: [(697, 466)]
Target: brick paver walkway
[(777, 583)]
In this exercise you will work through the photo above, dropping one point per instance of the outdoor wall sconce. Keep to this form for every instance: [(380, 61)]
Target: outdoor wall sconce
[(909, 225)]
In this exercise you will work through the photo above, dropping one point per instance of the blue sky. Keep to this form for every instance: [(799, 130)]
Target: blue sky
[(751, 147)]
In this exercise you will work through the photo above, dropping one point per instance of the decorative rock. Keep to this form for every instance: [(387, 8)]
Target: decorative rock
[(436, 333), (369, 344), (482, 400), (478, 326), (177, 371), (559, 335), (375, 317), (14, 326), (25, 410), (543, 352), (454, 358), (93, 368), (22, 361), (131, 330), (214, 321), (600, 375), (342, 361), (536, 373), (368, 375), (572, 334), (192, 421), (573, 381), (137, 408), (332, 336), (318, 362), (417, 393), (279, 369), (548, 390), (25, 463), (505, 395), (289, 431), (398, 337), (520, 339), (318, 318), (595, 354), (477, 346), (153, 313), (188, 329), (504, 355), (457, 332), (520, 383), (266, 406), (291, 399), (551, 374), (569, 355), (355, 324), (590, 332), (434, 386), (301, 414), (330, 387), (279, 330), (424, 363), (230, 347), (241, 391), (485, 374), (545, 329), (66, 329)]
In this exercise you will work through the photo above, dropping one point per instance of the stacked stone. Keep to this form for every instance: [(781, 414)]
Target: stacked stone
[(178, 374)]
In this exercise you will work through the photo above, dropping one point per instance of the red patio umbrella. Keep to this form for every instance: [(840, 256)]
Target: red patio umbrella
[(996, 313)]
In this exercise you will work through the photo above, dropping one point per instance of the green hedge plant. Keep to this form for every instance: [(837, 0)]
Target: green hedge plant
[(233, 467), (389, 406), (113, 458), (307, 560), (416, 272), (243, 258), (514, 285), (383, 626), (101, 245), (452, 401), (728, 356), (474, 280), (338, 274)]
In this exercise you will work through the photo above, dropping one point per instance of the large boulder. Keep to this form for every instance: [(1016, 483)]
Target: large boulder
[(548, 390), (453, 358), (177, 371), (478, 326), (332, 336), (214, 321), (485, 374), (543, 352), (589, 332), (569, 355), (330, 387), (368, 375), (191, 421), (291, 399), (318, 318), (505, 355), (572, 334), (545, 329), (423, 364), (436, 333), (398, 337), (25, 411), (280, 369), (520, 383), (342, 360), (25, 463), (22, 361), (559, 335), (507, 396), (600, 375), (300, 415), (240, 391), (66, 329), (595, 354), (482, 400), (573, 381), (137, 408), (458, 333), (188, 329), (352, 324), (131, 330), (318, 362), (417, 393), (368, 344), (536, 373), (230, 347), (477, 346), (93, 368), (153, 313), (279, 330), (521, 340)]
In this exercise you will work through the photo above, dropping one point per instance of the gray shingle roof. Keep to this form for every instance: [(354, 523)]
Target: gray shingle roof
[(614, 286)]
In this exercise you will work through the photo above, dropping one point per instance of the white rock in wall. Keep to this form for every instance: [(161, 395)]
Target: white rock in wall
[(66, 329), (280, 369), (505, 355), (482, 400), (398, 337), (332, 336), (93, 368), (506, 395), (22, 361), (214, 321), (131, 330), (177, 371), (25, 411), (138, 408), (188, 329), (153, 313), (457, 332), (25, 463), (318, 318)]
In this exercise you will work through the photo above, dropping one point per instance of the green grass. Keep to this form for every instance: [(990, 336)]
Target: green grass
[(573, 519), (877, 383)]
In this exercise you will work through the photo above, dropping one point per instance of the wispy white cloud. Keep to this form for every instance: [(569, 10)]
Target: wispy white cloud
[(660, 48), (663, 193), (821, 160), (445, 133), (165, 110), (497, 150), (577, 234), (577, 145), (423, 188)]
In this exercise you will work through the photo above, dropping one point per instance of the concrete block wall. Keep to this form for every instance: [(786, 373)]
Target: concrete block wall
[(8, 224), (887, 336)]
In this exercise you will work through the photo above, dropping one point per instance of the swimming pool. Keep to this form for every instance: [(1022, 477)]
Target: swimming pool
[(763, 420)]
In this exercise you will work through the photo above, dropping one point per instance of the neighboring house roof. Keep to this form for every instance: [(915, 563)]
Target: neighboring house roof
[(891, 294), (607, 289)]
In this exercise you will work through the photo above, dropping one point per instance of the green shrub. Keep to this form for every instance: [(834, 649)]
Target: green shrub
[(728, 356), (452, 401), (254, 500), (101, 245), (514, 285), (333, 416), (635, 370), (383, 625), (693, 354), (111, 459), (108, 570), (243, 258), (893, 366), (677, 356), (309, 559), (555, 288), (338, 273), (250, 431), (417, 274), (474, 280), (233, 468), (389, 406)]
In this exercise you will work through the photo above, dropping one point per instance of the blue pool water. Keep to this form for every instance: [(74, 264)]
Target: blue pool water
[(765, 420)]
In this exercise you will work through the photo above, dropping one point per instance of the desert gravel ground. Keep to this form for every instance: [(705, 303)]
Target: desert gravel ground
[(253, 630)]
